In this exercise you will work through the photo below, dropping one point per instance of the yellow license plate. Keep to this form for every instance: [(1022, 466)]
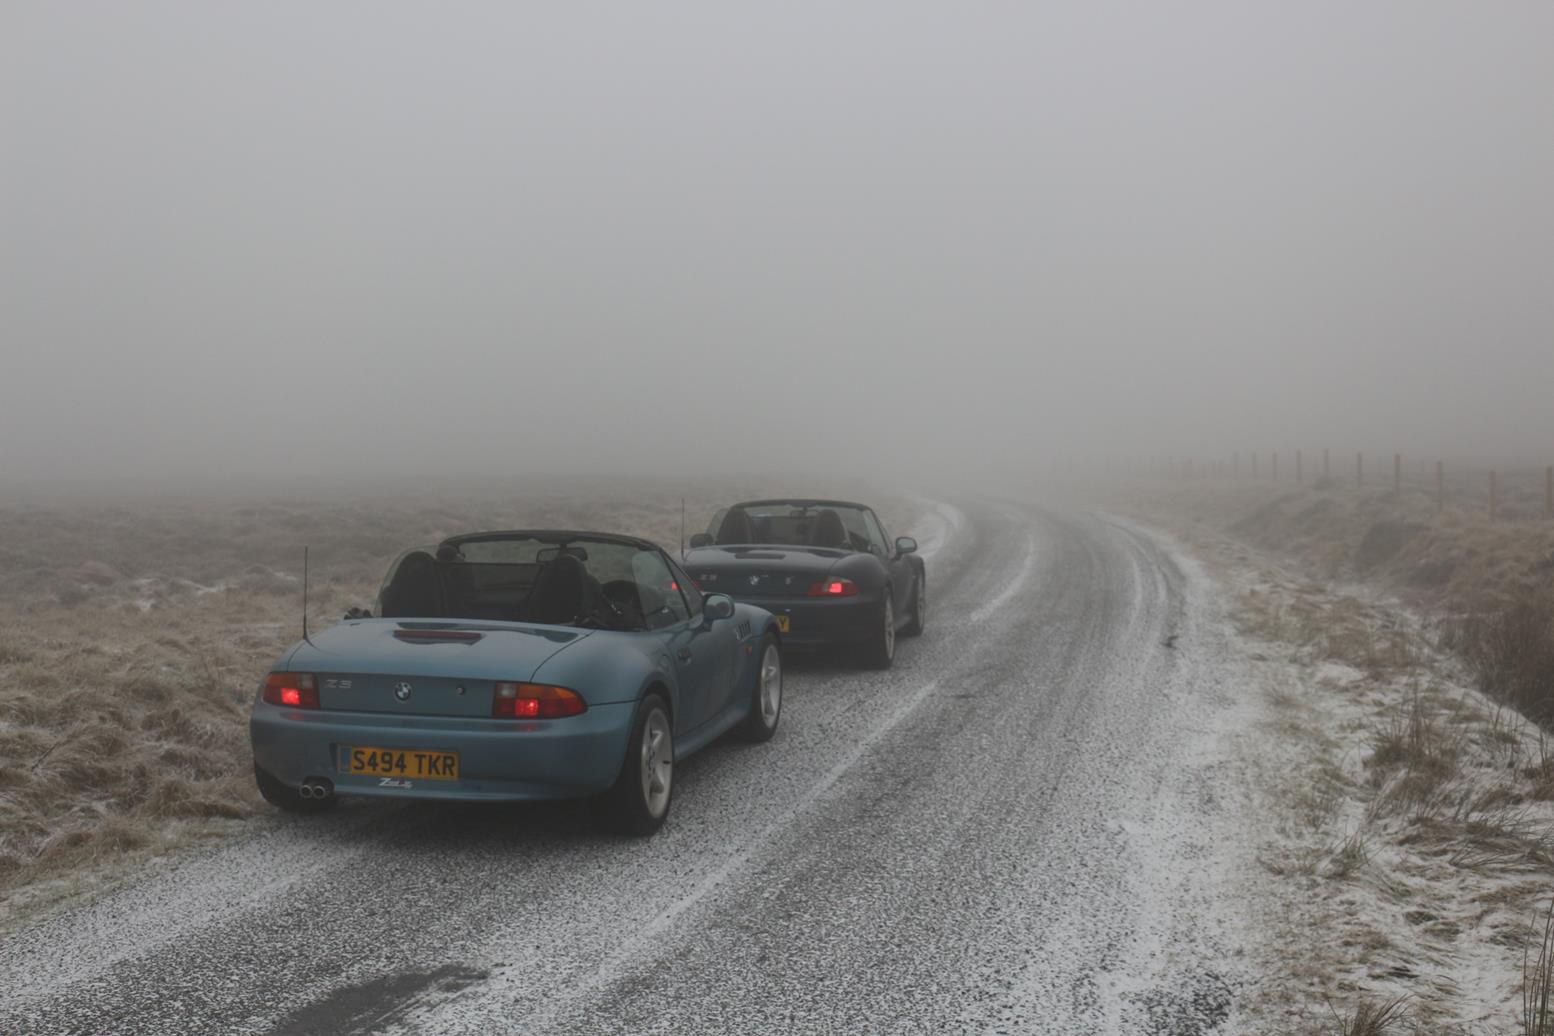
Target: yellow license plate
[(782, 623), (400, 762)]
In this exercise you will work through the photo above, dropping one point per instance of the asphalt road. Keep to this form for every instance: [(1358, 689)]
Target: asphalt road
[(1024, 826)]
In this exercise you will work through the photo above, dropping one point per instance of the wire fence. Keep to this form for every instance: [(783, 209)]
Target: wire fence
[(1514, 493)]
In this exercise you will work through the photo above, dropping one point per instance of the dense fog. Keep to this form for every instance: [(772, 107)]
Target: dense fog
[(243, 245)]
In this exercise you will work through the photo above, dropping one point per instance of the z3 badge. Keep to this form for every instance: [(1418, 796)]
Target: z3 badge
[(394, 782)]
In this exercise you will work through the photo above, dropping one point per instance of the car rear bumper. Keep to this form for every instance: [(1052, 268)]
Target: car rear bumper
[(505, 760), (814, 623)]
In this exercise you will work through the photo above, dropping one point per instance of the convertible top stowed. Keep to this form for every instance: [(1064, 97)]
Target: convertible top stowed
[(556, 536), (800, 502)]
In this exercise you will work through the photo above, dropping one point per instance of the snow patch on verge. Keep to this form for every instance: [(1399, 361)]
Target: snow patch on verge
[(1411, 838)]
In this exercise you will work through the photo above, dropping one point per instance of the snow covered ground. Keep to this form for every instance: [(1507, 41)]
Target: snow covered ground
[(1042, 819), (1409, 858), (1124, 784)]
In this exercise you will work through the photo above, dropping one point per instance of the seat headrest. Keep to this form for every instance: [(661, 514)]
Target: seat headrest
[(828, 531), (559, 593), (413, 590), (735, 528)]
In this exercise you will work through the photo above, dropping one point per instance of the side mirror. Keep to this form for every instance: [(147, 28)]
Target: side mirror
[(701, 539), (717, 606), (906, 545)]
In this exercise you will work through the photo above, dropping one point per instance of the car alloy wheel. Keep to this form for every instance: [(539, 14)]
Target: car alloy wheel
[(760, 723), (657, 762), (890, 627), (771, 685)]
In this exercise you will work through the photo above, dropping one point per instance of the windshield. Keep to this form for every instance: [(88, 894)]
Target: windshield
[(799, 524), (580, 582)]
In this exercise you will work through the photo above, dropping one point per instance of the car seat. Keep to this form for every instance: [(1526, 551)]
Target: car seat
[(828, 531), (559, 595), (735, 528), (412, 591)]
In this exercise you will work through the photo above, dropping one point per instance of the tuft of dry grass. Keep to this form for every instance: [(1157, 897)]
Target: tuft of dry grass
[(1538, 981), (1414, 741), (1509, 644), (1369, 1018), (1348, 859)]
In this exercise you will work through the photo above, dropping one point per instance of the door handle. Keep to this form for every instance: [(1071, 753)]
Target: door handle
[(684, 654)]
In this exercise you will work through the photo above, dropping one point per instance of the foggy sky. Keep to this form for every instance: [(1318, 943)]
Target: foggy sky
[(379, 238)]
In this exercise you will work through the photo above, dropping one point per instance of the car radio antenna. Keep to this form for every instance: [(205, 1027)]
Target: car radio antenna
[(305, 595)]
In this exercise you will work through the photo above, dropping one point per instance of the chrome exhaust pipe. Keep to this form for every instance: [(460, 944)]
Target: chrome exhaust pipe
[(316, 788)]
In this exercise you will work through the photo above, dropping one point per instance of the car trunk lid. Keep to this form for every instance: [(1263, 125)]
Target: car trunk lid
[(424, 668), (763, 571)]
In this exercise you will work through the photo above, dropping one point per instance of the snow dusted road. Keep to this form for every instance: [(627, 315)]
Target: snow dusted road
[(1029, 825)]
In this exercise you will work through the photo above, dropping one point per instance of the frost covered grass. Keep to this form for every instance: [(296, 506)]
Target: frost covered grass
[(1489, 584), (124, 731), (1437, 845), (133, 636), (1413, 824), (1409, 660)]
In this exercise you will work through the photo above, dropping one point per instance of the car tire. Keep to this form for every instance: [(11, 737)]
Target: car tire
[(766, 702), (919, 619), (638, 803), (879, 651), (283, 796)]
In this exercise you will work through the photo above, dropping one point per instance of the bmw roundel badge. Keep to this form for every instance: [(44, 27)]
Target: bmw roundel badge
[(402, 691)]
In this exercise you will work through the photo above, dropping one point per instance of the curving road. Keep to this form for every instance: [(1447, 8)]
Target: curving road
[(1027, 826)]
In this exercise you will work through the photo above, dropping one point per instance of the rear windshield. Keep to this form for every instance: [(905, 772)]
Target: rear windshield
[(604, 585), (797, 525)]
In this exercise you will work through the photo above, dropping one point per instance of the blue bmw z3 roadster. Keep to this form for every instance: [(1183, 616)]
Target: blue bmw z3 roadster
[(525, 665)]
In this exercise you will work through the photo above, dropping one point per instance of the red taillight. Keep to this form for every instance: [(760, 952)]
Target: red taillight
[(292, 690), (833, 588), (534, 701)]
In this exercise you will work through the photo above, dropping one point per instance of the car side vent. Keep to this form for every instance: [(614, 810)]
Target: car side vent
[(744, 628)]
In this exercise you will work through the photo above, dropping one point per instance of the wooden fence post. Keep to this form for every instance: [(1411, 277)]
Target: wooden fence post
[(1494, 502), (1397, 474), (1440, 485)]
